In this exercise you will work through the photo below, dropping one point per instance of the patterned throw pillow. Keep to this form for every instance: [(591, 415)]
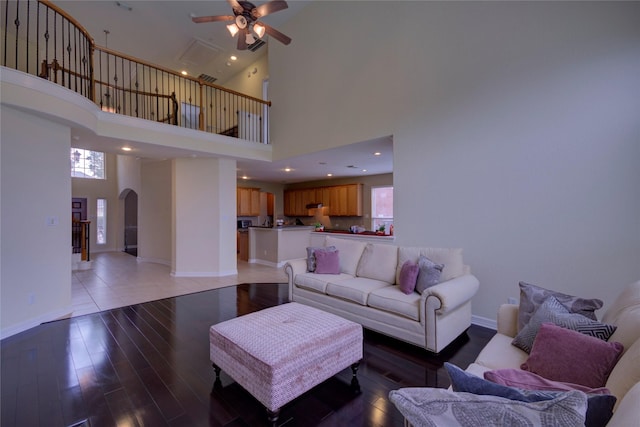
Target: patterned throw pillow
[(599, 406), (429, 274), (532, 296), (311, 256), (423, 406), (554, 312)]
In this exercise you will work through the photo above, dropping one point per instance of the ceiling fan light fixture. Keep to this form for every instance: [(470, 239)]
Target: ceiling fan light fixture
[(233, 29), (250, 39), (259, 29)]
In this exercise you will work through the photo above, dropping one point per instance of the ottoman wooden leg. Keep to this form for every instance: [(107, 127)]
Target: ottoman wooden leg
[(217, 384), (355, 384), (272, 416)]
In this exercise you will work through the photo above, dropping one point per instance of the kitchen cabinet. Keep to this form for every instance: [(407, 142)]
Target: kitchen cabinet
[(243, 245), (341, 200), (248, 201)]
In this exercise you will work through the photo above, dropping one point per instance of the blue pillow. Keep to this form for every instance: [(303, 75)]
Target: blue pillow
[(599, 406)]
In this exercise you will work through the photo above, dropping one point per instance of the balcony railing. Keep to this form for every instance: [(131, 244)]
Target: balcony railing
[(41, 39)]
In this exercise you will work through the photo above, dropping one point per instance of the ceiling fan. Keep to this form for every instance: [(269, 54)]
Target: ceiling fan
[(245, 17)]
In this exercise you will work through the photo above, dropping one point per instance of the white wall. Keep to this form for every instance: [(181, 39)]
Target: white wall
[(35, 178), (515, 124), (204, 217)]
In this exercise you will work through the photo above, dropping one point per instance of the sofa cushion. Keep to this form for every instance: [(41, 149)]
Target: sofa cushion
[(554, 312), (499, 353), (350, 250), (393, 300), (327, 262), (561, 354), (628, 324), (429, 273), (356, 289), (626, 373), (450, 257), (318, 282), (408, 277), (532, 297), (378, 261), (423, 406), (311, 256), (599, 406)]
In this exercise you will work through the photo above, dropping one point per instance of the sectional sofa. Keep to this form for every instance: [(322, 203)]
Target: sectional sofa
[(365, 289)]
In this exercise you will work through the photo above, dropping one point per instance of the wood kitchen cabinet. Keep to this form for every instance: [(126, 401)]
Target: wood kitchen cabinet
[(248, 201), (341, 200)]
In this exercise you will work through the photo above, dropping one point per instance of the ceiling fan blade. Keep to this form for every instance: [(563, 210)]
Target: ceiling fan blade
[(242, 40), (237, 7), (201, 19), (270, 7), (276, 34)]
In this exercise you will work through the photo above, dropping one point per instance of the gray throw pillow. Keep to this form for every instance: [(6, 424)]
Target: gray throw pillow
[(423, 406), (551, 311), (428, 274), (311, 257), (599, 406), (532, 296)]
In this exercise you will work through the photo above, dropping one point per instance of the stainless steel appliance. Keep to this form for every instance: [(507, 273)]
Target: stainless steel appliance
[(244, 223)]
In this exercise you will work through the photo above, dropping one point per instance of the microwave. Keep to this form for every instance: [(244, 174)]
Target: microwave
[(244, 223)]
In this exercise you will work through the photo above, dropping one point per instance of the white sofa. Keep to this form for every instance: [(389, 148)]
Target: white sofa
[(624, 380), (365, 291)]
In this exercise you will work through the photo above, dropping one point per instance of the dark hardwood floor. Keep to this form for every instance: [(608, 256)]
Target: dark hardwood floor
[(148, 365)]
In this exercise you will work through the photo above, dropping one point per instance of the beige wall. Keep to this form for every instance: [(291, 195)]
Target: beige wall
[(154, 212), (35, 247), (515, 129)]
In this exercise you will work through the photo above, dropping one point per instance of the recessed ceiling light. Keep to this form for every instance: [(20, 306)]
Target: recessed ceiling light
[(364, 170), (329, 174), (287, 169), (377, 153), (183, 72), (233, 57), (126, 148), (228, 64), (245, 177)]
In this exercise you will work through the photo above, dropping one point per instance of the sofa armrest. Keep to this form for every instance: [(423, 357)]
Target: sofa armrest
[(453, 293), (293, 267), (508, 320)]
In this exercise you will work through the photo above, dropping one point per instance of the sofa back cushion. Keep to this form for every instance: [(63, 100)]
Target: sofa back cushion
[(378, 261), (350, 253), (626, 373), (625, 314), (450, 257)]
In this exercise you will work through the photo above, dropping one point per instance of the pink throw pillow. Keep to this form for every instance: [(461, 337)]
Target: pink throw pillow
[(327, 262), (561, 354), (526, 380), (408, 277)]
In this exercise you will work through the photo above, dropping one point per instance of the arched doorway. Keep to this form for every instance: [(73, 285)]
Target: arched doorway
[(131, 223)]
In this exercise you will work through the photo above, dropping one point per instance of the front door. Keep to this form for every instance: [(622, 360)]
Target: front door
[(78, 213)]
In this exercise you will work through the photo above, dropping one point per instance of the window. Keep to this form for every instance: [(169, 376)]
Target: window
[(101, 222), (381, 207), (87, 164)]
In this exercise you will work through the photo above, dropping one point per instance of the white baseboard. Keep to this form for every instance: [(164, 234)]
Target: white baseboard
[(31, 323), (267, 263), (154, 260), (484, 322)]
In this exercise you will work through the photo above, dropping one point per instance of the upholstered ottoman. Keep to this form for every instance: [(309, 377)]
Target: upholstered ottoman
[(279, 353)]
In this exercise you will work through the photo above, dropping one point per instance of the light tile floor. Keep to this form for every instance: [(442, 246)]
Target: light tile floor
[(118, 279)]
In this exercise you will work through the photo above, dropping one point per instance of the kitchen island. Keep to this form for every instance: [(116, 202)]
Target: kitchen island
[(273, 246)]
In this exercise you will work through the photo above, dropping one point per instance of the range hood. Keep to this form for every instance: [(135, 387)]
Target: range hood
[(314, 205)]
